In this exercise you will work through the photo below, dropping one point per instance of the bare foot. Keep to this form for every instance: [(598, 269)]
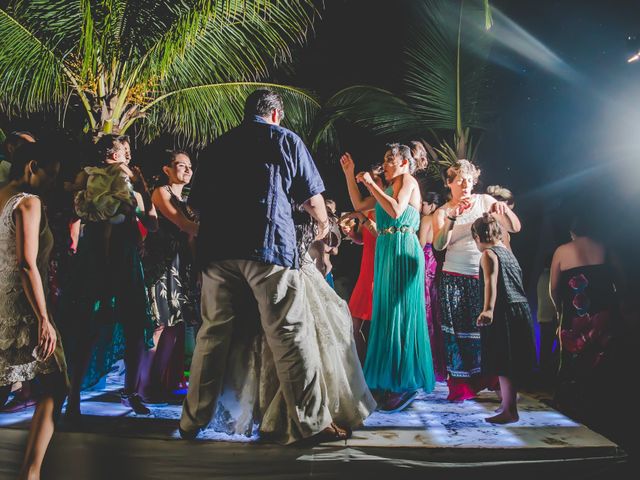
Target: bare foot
[(499, 409), (333, 433), (503, 418)]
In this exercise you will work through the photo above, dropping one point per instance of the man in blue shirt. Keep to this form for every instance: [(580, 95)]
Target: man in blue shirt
[(243, 189)]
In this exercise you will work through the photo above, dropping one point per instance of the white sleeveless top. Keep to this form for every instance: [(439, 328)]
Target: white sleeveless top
[(462, 254)]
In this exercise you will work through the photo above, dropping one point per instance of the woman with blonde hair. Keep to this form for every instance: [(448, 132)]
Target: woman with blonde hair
[(460, 298)]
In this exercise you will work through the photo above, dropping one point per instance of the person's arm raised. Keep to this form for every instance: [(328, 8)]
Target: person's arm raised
[(444, 219), (28, 217), (392, 205), (161, 198), (506, 216), (359, 202), (349, 228)]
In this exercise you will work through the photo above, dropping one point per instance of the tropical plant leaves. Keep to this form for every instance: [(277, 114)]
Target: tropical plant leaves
[(445, 88), (33, 75), (206, 111), (123, 58)]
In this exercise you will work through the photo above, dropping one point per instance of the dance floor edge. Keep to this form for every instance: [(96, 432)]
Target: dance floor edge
[(432, 434)]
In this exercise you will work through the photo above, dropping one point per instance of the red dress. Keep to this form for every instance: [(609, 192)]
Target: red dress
[(361, 301)]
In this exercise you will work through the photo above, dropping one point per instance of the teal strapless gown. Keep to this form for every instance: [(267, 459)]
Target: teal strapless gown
[(399, 354)]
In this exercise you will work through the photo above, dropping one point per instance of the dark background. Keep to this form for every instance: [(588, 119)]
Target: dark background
[(561, 143)]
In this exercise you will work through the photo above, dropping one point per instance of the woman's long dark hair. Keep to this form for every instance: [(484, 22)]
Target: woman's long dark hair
[(38, 152), (305, 229)]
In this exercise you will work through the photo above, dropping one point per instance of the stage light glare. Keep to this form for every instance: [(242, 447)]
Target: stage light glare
[(634, 58)]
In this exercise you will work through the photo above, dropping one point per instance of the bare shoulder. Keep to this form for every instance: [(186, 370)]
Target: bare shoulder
[(408, 179), (29, 203), (489, 257), (29, 208), (160, 193), (564, 249), (426, 219), (440, 212)]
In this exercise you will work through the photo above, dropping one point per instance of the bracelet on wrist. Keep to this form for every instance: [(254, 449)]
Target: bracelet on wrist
[(453, 219)]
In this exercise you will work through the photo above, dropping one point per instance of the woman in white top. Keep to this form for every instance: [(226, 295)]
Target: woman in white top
[(460, 296)]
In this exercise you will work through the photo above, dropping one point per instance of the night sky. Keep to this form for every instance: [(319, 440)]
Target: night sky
[(566, 129)]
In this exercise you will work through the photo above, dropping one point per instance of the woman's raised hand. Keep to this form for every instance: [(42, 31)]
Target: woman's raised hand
[(365, 178), (347, 164), (499, 207), (458, 209)]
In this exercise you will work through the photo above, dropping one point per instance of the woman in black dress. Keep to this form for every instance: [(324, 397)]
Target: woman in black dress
[(168, 271), (583, 291)]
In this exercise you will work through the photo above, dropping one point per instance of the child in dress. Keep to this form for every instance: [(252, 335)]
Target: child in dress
[(508, 348)]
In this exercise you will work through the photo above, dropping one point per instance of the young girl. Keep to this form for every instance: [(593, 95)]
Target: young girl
[(508, 348)]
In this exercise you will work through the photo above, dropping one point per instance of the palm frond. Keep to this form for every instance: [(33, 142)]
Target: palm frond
[(380, 111), (432, 60), (57, 22), (239, 40), (200, 113), (34, 76)]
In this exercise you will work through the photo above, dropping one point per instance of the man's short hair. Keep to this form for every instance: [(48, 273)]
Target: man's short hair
[(262, 102)]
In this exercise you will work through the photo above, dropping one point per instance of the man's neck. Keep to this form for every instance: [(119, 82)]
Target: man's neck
[(261, 119)]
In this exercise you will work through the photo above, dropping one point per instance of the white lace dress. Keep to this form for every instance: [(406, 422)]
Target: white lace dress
[(251, 394), (18, 323)]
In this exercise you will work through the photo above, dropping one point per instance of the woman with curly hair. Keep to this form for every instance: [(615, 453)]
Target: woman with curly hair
[(460, 299)]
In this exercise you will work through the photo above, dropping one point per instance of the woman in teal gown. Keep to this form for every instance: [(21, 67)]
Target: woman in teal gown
[(398, 362)]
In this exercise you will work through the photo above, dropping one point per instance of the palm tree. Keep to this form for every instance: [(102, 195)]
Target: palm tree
[(178, 66), (444, 87)]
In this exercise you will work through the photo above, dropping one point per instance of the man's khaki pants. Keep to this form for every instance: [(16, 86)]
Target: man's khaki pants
[(227, 286)]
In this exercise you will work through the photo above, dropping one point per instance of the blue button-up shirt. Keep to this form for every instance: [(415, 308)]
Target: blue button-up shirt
[(243, 188)]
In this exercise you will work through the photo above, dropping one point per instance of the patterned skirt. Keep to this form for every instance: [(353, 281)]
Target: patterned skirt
[(461, 303)]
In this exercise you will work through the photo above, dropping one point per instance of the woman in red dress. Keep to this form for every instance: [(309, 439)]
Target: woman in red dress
[(361, 301)]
